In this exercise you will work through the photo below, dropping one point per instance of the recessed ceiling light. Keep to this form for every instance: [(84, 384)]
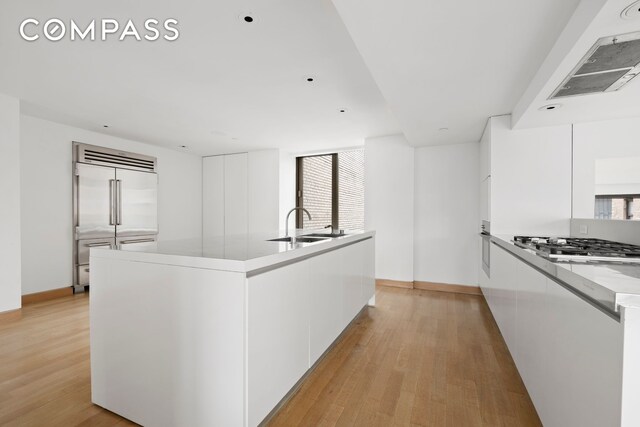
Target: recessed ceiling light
[(443, 129), (343, 110), (632, 11), (105, 126), (182, 146), (246, 17), (550, 107), (310, 79)]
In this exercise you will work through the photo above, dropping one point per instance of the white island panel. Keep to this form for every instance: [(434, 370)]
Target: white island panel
[(325, 310), (277, 336), (167, 343)]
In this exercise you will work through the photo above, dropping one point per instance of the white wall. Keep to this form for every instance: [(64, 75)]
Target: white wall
[(446, 214), (389, 207), (530, 179), (10, 271), (599, 140), (46, 200)]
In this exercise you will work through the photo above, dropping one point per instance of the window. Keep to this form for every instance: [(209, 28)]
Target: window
[(621, 206), (331, 188)]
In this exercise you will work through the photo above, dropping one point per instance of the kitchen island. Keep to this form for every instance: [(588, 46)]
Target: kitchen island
[(219, 331)]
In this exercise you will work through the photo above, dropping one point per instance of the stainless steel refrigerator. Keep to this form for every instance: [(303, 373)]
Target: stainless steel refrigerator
[(115, 202)]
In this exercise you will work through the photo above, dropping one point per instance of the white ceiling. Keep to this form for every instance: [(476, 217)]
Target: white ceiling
[(453, 64), (593, 20), (408, 66), (222, 79)]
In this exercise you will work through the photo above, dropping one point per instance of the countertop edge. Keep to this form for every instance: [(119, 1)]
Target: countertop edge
[(598, 296)]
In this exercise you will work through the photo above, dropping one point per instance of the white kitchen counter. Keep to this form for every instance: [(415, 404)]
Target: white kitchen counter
[(239, 253), (217, 333), (573, 330), (608, 285)]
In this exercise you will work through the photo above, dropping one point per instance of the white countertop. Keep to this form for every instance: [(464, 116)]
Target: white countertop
[(238, 253), (612, 284)]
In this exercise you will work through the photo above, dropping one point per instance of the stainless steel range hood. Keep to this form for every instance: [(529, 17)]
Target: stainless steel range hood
[(610, 64)]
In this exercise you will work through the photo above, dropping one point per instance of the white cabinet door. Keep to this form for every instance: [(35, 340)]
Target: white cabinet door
[(485, 152), (352, 258), (485, 199), (213, 196), (584, 367), (235, 194), (532, 333), (369, 271), (326, 302), (277, 335), (263, 191), (503, 284)]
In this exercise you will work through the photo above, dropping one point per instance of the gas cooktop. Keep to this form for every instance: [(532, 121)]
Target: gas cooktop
[(580, 249)]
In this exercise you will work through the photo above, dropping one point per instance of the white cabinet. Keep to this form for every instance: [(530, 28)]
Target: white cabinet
[(235, 194), (369, 273), (485, 199), (532, 331), (485, 152), (277, 336), (503, 285), (213, 196), (344, 282), (568, 353), (224, 195), (264, 191), (240, 193), (584, 365), (325, 310), (295, 313), (352, 267)]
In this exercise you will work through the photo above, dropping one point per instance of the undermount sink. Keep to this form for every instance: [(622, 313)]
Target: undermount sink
[(300, 239), (326, 235)]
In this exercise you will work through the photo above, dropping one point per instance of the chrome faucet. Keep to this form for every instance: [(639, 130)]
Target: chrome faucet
[(286, 223)]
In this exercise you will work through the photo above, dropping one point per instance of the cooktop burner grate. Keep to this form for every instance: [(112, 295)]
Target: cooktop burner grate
[(578, 248)]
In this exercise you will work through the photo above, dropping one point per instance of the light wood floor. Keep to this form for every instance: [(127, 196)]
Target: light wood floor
[(418, 358)]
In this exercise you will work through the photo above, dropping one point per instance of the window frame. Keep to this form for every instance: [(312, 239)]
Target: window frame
[(335, 208)]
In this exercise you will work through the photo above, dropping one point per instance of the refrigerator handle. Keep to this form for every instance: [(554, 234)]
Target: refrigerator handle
[(119, 202), (111, 201)]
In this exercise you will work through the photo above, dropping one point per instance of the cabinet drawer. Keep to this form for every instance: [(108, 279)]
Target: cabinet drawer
[(85, 245)]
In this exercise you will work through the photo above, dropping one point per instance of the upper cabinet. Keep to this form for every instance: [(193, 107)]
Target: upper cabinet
[(526, 178), (485, 174), (485, 152)]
